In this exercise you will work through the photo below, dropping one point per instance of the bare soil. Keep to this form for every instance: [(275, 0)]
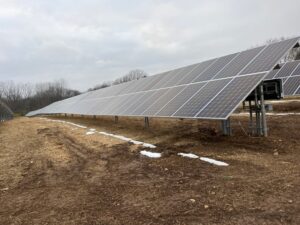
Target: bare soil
[(53, 173)]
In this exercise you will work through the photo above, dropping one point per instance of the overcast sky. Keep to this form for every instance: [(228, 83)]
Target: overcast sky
[(87, 42)]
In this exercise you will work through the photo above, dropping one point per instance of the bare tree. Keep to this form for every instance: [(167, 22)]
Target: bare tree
[(22, 98), (100, 86), (2, 89), (131, 75)]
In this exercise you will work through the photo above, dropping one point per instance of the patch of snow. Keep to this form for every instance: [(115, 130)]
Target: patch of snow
[(90, 132), (188, 155), (213, 161), (77, 125), (136, 142), (146, 145), (283, 114), (122, 138), (70, 123), (104, 133), (151, 154)]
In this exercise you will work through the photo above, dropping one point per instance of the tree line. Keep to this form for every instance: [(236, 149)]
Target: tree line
[(26, 97)]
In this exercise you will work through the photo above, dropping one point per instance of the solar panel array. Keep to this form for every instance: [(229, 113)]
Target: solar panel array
[(290, 75), (211, 89)]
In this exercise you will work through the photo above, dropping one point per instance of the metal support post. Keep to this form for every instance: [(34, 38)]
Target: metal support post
[(147, 125), (257, 113), (226, 127), (251, 118), (116, 119), (263, 112)]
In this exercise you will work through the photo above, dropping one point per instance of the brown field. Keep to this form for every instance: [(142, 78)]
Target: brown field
[(53, 173)]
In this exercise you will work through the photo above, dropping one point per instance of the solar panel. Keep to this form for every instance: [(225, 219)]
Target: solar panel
[(229, 98), (132, 87), (217, 66), (211, 89), (174, 104), (298, 91), (128, 100), (145, 104), (182, 73), (287, 69), (291, 85), (165, 79), (146, 82), (269, 56), (297, 70), (198, 101), (153, 82), (239, 63), (121, 101), (137, 99), (161, 101), (271, 74), (198, 70), (96, 108)]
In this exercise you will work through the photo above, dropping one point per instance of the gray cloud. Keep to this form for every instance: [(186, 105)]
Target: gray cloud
[(87, 42)]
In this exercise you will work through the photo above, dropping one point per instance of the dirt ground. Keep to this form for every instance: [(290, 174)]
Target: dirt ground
[(53, 173)]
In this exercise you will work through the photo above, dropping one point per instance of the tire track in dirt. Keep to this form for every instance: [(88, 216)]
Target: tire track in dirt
[(84, 164)]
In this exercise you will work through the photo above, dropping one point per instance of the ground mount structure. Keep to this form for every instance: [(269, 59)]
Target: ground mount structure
[(212, 89)]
